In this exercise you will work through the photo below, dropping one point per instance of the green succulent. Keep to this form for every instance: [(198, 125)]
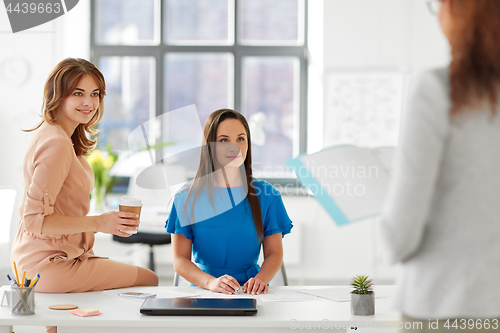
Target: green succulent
[(362, 285)]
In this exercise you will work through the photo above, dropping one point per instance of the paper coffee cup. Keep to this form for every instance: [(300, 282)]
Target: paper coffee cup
[(133, 205)]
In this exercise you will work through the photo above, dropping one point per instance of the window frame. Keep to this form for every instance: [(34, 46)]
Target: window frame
[(239, 51)]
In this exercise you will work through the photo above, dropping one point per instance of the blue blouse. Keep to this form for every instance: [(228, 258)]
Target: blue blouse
[(224, 237)]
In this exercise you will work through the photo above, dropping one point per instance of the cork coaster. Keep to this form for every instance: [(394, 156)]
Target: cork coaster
[(63, 307)]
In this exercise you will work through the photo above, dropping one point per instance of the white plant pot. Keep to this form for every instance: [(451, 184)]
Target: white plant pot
[(362, 305)]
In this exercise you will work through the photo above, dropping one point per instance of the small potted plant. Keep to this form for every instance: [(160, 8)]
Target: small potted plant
[(362, 296)]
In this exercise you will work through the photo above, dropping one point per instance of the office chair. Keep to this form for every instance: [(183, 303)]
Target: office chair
[(154, 194), (150, 239), (280, 279)]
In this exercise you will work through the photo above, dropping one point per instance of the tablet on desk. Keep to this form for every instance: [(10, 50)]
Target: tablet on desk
[(199, 306)]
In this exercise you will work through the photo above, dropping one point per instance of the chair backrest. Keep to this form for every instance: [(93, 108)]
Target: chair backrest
[(179, 281), (280, 279)]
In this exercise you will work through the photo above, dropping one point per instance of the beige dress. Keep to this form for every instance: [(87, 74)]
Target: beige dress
[(56, 181)]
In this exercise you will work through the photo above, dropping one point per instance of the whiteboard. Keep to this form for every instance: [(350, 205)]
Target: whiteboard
[(363, 108)]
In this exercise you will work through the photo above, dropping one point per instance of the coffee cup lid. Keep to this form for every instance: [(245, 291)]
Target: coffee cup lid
[(129, 201)]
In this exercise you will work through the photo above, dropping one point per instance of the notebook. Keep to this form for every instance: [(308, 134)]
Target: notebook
[(199, 306)]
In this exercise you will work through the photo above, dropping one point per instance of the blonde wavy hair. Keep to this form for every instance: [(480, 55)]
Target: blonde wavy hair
[(60, 84)]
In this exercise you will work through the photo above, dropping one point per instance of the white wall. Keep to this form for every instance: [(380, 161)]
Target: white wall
[(359, 35), (40, 48), (356, 34)]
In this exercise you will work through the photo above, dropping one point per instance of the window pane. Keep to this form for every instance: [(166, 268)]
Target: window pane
[(202, 79), (126, 22), (270, 103), (130, 91), (265, 22), (198, 22)]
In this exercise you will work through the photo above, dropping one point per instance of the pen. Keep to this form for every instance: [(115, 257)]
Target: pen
[(17, 276), (13, 283), (35, 280), (26, 293)]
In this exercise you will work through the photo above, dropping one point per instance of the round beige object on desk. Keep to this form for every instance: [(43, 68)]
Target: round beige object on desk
[(63, 307)]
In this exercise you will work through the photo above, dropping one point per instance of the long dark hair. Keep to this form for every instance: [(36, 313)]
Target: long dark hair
[(475, 47), (60, 84), (205, 176)]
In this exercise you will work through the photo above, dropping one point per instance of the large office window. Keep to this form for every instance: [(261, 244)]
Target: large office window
[(163, 55)]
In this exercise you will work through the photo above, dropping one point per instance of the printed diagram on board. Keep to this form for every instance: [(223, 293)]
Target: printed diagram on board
[(363, 108)]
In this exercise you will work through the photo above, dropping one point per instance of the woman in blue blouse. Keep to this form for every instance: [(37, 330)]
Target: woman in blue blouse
[(224, 215)]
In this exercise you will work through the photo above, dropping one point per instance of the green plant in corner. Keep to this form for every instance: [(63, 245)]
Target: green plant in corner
[(362, 285)]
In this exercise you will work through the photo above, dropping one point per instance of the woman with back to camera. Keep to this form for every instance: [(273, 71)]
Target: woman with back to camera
[(442, 218), (224, 215), (55, 237)]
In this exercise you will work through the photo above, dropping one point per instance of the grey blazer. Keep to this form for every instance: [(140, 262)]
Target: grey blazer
[(442, 215)]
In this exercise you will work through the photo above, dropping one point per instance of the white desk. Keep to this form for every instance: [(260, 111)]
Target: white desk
[(122, 315)]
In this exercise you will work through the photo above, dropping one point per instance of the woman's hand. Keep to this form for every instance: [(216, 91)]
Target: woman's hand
[(117, 222), (255, 286), (226, 284)]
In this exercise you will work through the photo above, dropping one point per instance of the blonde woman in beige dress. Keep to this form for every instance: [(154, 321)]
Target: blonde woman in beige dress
[(55, 236)]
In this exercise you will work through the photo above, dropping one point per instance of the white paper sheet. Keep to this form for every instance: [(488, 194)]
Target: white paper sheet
[(289, 297), (240, 294), (159, 291), (271, 296), (334, 294)]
